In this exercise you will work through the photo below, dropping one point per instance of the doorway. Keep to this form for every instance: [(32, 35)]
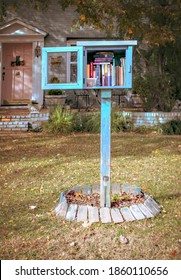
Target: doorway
[(16, 73)]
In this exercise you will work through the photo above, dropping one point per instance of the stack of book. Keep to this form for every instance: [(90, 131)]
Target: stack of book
[(106, 70)]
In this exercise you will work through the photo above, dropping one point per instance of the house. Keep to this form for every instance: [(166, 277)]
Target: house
[(22, 37)]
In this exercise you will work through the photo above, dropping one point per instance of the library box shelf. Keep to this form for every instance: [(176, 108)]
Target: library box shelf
[(89, 65)]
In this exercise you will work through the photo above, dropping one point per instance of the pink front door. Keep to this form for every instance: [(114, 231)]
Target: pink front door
[(16, 72)]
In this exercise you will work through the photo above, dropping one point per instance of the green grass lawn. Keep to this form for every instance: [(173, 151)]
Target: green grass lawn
[(36, 168)]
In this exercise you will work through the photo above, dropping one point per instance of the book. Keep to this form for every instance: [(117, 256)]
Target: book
[(94, 71), (98, 75), (117, 75), (108, 75), (91, 70), (103, 59), (114, 72), (123, 65), (120, 76), (99, 63), (105, 75), (88, 71), (104, 55)]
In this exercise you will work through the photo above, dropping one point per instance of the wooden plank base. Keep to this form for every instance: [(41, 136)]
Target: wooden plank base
[(91, 214), (148, 203), (82, 214), (127, 215), (71, 213), (105, 215), (135, 210), (116, 216), (61, 209), (145, 211)]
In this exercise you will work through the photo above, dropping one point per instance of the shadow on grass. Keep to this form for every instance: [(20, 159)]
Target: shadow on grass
[(83, 146)]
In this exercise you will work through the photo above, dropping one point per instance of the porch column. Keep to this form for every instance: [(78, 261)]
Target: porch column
[(37, 92)]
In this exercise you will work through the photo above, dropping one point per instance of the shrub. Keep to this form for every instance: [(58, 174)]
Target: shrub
[(60, 120), (156, 91), (120, 122), (172, 127), (93, 123), (79, 122), (55, 80), (55, 92)]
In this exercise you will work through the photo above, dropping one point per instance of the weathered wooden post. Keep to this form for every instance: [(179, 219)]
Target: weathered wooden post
[(105, 143)]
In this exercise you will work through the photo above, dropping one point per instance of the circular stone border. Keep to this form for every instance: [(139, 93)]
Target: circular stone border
[(92, 214)]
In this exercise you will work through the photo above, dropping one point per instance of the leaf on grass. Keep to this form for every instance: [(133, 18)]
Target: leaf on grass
[(86, 224), (32, 207), (174, 253), (123, 239), (78, 195), (145, 188)]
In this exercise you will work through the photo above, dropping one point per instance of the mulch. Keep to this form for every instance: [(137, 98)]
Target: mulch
[(118, 201)]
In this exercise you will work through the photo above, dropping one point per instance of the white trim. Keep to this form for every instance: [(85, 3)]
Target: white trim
[(37, 92), (18, 21), (106, 43)]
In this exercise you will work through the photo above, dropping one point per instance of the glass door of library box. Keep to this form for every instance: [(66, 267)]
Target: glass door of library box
[(62, 68)]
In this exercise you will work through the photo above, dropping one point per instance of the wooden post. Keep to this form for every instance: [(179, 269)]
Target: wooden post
[(105, 148)]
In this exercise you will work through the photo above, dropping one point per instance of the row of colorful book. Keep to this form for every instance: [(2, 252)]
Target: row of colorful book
[(106, 70)]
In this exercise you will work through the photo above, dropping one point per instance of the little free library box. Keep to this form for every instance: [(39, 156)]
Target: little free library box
[(103, 65), (89, 65)]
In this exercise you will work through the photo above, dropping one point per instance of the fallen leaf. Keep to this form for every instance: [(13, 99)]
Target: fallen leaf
[(174, 253), (123, 239), (78, 195), (86, 224), (72, 244), (32, 207)]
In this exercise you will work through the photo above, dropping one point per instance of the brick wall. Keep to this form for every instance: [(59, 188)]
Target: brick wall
[(152, 118), (22, 123)]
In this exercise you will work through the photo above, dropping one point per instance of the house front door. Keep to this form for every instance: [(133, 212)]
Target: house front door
[(16, 73)]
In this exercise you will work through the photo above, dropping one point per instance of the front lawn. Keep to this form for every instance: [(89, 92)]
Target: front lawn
[(36, 168)]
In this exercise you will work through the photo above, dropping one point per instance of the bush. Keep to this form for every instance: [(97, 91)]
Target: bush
[(120, 122), (156, 91), (94, 123), (55, 92), (55, 80), (172, 127), (79, 122), (60, 120)]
